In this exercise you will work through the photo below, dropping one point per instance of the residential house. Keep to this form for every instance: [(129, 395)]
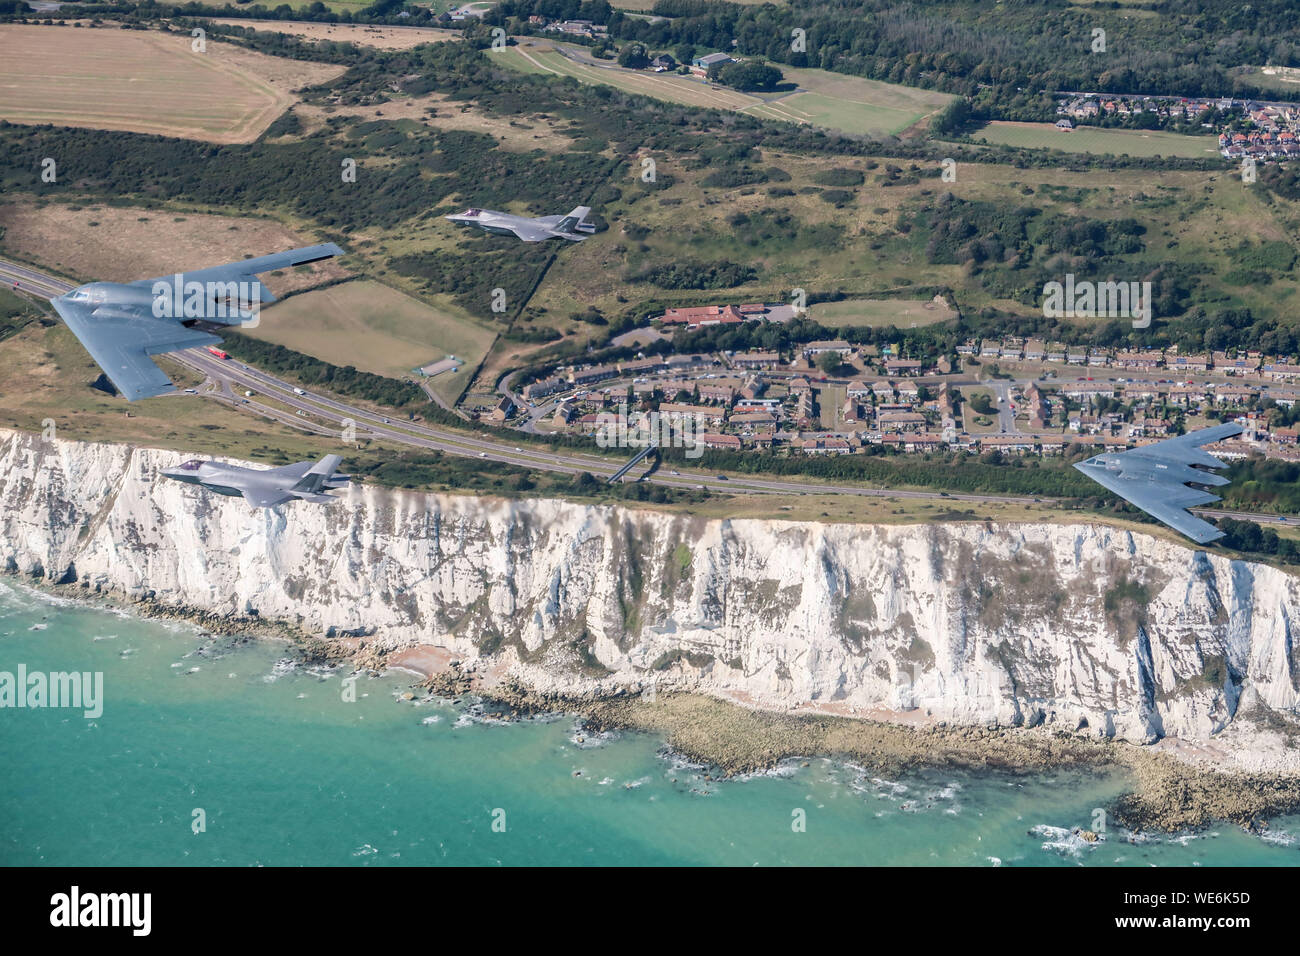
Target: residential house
[(902, 367)]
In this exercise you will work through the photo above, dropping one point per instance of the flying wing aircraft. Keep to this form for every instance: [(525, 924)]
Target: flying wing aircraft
[(264, 488), (1154, 477), (121, 325), (573, 227)]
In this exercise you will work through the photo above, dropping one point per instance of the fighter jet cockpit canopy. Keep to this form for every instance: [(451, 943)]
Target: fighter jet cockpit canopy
[(93, 294)]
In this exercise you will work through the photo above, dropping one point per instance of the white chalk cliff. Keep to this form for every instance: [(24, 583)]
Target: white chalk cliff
[(1078, 626)]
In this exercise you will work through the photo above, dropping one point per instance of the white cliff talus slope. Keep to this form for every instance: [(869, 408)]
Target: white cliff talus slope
[(1079, 626)]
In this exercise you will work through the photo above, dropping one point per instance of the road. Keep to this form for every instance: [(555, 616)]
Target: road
[(323, 414), (1006, 412)]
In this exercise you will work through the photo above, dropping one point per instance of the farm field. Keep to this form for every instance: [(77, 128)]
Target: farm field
[(379, 37), (829, 100), (146, 82), (123, 243), (900, 313), (377, 329), (1086, 139), (853, 104)]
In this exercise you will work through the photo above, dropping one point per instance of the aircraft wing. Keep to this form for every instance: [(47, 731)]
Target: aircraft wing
[(121, 345), (1186, 449), (248, 270), (294, 471), (1164, 501), (529, 232), (1154, 478), (264, 497)]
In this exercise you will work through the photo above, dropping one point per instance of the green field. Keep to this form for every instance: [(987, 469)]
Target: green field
[(900, 313), (1279, 78), (830, 100), (377, 329), (852, 104), (1087, 139)]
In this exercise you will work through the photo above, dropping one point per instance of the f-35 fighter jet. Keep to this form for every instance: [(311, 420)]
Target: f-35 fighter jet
[(1154, 477), (264, 488), (573, 227), (121, 325)]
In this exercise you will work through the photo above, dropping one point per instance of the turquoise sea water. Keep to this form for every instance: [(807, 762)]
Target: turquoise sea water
[(287, 772)]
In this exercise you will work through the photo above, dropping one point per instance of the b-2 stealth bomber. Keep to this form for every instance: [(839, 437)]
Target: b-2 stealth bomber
[(1155, 478), (121, 325)]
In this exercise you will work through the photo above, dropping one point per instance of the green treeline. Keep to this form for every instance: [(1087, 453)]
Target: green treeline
[(1000, 55), (346, 381), (991, 473)]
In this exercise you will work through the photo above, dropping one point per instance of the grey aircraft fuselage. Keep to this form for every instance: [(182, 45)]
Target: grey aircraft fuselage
[(1156, 478), (265, 487), (573, 227), (123, 325)]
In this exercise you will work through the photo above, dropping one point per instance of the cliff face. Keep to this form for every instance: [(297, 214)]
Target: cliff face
[(1079, 626)]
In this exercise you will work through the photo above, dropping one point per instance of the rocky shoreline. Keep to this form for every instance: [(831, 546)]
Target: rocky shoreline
[(1168, 793)]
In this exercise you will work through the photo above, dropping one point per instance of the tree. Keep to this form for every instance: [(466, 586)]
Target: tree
[(829, 362), (633, 57), (746, 75), (952, 118)]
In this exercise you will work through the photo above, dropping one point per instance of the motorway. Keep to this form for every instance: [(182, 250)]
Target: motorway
[(323, 414)]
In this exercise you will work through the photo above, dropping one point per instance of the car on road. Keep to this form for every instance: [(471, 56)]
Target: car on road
[(674, 472), (720, 477), (482, 454)]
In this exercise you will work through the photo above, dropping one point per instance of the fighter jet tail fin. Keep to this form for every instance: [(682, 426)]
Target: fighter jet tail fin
[(317, 477), (576, 221)]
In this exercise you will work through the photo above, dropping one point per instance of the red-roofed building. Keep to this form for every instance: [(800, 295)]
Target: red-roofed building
[(697, 316)]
